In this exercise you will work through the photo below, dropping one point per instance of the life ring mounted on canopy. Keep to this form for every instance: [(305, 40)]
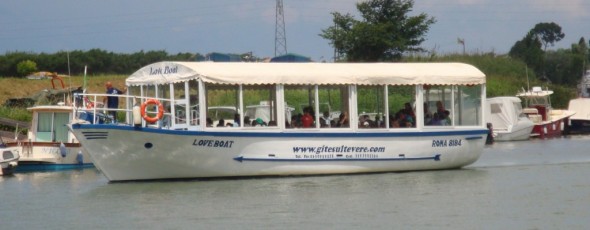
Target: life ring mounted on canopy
[(152, 101)]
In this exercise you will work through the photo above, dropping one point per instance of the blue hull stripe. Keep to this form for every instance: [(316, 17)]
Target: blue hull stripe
[(50, 167), (435, 158), (282, 134)]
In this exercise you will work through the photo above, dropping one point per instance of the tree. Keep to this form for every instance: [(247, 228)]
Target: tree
[(549, 33), (384, 34), (26, 67), (528, 49)]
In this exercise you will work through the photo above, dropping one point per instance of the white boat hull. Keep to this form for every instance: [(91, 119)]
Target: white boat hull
[(8, 160), (35, 156), (520, 132), (127, 153)]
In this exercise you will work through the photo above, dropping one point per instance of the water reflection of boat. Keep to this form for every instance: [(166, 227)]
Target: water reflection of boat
[(508, 120), (549, 122), (50, 146), (187, 148)]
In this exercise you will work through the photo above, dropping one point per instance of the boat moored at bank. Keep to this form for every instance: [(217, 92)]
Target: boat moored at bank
[(204, 119), (49, 144), (549, 122), (508, 120)]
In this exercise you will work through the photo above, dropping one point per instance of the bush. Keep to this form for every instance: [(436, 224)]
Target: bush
[(26, 67)]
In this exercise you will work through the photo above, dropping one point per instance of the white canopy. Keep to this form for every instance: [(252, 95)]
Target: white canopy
[(582, 108), (503, 111), (309, 73)]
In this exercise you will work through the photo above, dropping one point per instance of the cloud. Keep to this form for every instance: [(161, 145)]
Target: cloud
[(569, 8)]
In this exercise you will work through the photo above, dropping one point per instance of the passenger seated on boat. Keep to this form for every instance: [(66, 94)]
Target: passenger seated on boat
[(441, 114), (436, 120), (295, 121), (393, 123), (427, 114), (446, 120), (365, 121), (325, 120), (272, 123), (409, 115), (247, 121), (258, 122), (209, 122), (343, 120), (221, 123), (236, 120), (401, 120), (306, 120)]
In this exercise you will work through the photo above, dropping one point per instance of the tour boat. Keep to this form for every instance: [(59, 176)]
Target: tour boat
[(508, 120), (549, 122), (171, 107), (50, 145)]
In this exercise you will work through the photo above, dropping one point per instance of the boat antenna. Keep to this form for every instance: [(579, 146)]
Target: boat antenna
[(84, 85)]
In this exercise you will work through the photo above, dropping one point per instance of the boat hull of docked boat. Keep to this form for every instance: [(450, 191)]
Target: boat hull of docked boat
[(508, 120), (548, 122), (8, 159), (50, 145), (579, 122)]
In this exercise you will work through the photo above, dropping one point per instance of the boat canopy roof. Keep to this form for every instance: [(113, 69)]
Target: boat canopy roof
[(256, 73), (537, 91)]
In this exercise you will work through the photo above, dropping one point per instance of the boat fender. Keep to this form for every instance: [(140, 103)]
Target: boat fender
[(160, 114), (62, 150), (80, 157), (136, 115)]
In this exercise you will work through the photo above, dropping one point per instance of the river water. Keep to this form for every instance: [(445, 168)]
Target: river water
[(537, 184)]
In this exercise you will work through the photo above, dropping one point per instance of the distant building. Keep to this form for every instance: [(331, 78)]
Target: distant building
[(221, 57), (290, 57)]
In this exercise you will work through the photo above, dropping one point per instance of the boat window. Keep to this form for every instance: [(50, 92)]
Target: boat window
[(302, 99), (438, 101), (333, 104), (193, 86), (222, 104), (467, 109), (370, 106), (401, 103), (261, 106), (180, 104), (52, 127)]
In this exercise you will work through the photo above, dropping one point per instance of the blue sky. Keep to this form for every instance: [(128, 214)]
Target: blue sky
[(240, 26)]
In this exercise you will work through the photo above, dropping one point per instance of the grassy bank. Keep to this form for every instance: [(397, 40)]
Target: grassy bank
[(19, 88)]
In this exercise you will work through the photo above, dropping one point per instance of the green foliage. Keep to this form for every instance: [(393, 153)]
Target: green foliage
[(548, 32), (564, 67), (97, 61), (384, 34), (529, 50), (26, 67), (507, 76)]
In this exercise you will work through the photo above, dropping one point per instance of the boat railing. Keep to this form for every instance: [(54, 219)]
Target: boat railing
[(89, 108)]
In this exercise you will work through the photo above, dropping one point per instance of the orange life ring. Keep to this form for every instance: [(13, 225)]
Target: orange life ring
[(160, 110)]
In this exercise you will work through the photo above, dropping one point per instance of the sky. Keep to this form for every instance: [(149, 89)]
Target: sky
[(241, 26)]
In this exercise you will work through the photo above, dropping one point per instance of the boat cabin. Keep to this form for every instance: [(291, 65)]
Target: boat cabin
[(306, 96), (537, 103)]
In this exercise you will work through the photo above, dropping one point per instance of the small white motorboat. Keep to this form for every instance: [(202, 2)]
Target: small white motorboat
[(508, 120)]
